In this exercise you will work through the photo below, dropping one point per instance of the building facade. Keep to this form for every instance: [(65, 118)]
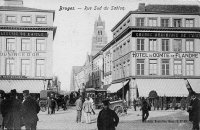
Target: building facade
[(26, 41), (156, 48), (99, 38), (98, 75)]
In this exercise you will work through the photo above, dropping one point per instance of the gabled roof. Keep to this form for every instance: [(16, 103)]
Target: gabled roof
[(163, 9)]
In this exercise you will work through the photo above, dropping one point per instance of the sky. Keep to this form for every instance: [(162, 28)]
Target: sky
[(75, 28)]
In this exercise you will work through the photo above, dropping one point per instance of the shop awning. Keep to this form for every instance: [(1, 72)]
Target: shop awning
[(195, 84), (34, 86), (163, 87), (115, 87)]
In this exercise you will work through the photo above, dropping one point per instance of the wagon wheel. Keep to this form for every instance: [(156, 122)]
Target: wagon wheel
[(118, 110), (43, 108)]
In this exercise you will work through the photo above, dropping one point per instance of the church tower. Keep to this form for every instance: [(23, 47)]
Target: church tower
[(99, 39)]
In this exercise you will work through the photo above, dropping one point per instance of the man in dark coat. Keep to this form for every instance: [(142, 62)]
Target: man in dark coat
[(107, 118), (145, 110), (194, 111), (11, 108), (30, 109)]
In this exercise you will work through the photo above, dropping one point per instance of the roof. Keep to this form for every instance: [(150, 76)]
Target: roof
[(21, 8), (76, 69), (25, 9), (163, 9)]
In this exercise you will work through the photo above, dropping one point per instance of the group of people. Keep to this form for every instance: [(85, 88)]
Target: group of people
[(51, 105), (107, 118), (16, 113)]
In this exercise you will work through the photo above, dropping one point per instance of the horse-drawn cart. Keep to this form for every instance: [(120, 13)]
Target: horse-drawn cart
[(119, 107)]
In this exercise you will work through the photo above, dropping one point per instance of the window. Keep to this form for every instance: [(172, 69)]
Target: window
[(164, 22), (139, 22), (152, 22), (189, 67), (11, 19), (165, 44), (10, 44), (99, 39), (153, 67), (40, 44), (140, 44), (40, 67), (177, 23), (165, 67), (189, 22), (189, 45), (99, 32), (25, 67), (10, 67), (26, 19), (25, 45), (152, 45), (177, 45), (41, 19), (140, 67), (177, 67), (0, 18)]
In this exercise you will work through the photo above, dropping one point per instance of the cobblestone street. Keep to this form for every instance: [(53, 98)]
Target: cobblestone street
[(158, 120)]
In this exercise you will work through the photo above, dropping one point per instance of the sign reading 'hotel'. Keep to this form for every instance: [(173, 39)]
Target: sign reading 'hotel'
[(23, 34), (166, 35)]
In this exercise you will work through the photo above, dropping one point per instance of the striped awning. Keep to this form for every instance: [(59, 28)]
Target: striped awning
[(163, 87), (115, 87), (195, 84), (34, 86)]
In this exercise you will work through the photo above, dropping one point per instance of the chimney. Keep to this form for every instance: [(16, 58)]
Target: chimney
[(141, 7), (13, 2)]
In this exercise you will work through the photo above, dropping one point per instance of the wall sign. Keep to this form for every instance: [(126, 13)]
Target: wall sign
[(12, 77), (165, 55), (165, 35), (19, 54), (23, 34)]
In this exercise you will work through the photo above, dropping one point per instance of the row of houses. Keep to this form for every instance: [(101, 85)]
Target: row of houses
[(155, 47)]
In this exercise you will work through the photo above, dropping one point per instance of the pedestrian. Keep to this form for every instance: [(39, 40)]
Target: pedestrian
[(53, 105), (30, 109), (48, 105), (10, 109), (145, 110), (87, 108), (79, 106), (66, 99), (194, 111), (134, 104), (107, 118), (92, 101), (1, 117)]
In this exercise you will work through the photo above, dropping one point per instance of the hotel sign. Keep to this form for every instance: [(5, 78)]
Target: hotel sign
[(23, 34), (165, 55), (165, 35)]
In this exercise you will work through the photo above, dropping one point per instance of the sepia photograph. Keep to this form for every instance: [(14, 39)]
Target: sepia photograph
[(99, 64)]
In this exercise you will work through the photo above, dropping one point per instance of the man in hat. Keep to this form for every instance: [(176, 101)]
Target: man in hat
[(10, 109), (107, 118), (30, 109), (79, 106), (194, 111)]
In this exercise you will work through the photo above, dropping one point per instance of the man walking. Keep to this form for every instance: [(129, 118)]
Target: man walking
[(87, 108), (10, 109), (194, 111), (107, 118), (79, 105), (145, 110), (30, 109)]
